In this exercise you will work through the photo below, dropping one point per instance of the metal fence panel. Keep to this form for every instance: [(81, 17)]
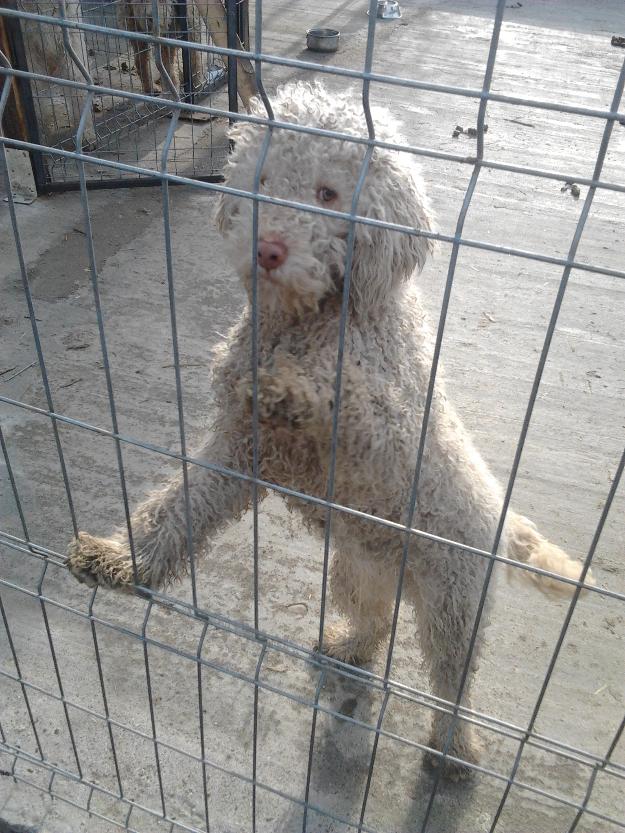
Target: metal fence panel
[(250, 682)]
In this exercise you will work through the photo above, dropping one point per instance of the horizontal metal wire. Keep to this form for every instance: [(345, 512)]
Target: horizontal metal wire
[(328, 69), (294, 650), (377, 730), (315, 209), (317, 501), (185, 106)]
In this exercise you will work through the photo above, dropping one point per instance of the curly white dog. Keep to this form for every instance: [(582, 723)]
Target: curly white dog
[(388, 354)]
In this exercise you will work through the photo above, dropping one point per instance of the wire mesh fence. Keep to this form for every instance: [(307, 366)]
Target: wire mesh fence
[(241, 726), (118, 127)]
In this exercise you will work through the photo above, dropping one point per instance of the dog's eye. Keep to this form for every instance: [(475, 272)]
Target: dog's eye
[(326, 195)]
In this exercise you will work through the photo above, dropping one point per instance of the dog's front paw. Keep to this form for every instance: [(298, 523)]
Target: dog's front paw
[(101, 562), (281, 396), (465, 749), (342, 643)]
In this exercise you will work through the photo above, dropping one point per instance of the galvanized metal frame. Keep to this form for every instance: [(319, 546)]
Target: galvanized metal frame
[(385, 684)]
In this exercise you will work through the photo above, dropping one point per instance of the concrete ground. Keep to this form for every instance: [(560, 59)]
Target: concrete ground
[(497, 319)]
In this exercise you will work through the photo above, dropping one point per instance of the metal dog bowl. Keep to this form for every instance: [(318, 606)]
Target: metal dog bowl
[(388, 10), (323, 40)]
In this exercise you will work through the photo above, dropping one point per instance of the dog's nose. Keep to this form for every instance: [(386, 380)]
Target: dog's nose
[(271, 253)]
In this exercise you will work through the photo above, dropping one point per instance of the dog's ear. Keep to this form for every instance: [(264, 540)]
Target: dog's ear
[(226, 209), (244, 140), (383, 258)]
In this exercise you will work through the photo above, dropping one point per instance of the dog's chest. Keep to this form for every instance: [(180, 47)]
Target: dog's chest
[(290, 458)]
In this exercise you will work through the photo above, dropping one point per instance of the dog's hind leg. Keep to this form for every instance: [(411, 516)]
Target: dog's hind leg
[(160, 542), (446, 604), (364, 590)]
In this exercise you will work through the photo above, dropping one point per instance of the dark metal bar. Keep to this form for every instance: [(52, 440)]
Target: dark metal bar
[(24, 91), (232, 28), (181, 12), (243, 23), (111, 184)]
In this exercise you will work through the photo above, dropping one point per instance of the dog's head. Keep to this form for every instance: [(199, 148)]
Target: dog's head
[(301, 255)]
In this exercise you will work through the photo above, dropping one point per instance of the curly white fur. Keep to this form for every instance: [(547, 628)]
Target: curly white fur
[(387, 361)]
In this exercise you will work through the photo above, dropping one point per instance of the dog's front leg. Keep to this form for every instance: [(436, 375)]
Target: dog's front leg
[(159, 526)]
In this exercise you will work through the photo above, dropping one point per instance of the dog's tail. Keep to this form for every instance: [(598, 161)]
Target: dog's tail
[(526, 544)]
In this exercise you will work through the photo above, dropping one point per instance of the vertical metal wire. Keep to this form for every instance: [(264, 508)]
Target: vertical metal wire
[(18, 503), (264, 149), (259, 664), (374, 752), (175, 116), (57, 671), (105, 704), (29, 300), (262, 156), (451, 272), (148, 680), (21, 680), (311, 747), (565, 626), (93, 275), (25, 529), (16, 494), (598, 767), (490, 64), (200, 701), (351, 237), (605, 140)]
